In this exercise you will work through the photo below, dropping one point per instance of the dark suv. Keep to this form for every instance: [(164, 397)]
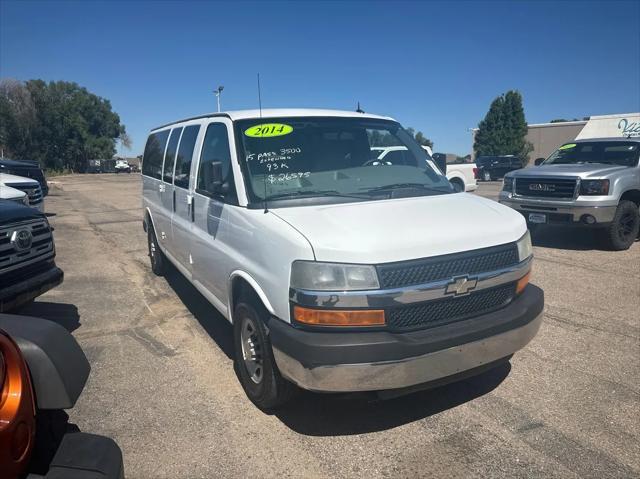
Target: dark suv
[(30, 169), (27, 252), (494, 167)]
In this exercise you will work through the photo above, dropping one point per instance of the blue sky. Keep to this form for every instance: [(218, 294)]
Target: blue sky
[(433, 66)]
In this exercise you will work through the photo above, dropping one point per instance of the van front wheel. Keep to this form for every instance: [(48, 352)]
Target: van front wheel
[(253, 361)]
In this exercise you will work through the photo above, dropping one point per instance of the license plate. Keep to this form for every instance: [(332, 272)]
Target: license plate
[(537, 218)]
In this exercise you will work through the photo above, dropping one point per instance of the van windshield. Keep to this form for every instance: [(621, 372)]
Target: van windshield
[(340, 159), (623, 153)]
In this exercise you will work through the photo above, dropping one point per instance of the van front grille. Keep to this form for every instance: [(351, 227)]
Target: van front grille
[(425, 270), (430, 314)]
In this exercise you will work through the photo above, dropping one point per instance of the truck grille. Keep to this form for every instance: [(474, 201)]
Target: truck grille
[(33, 191), (545, 187), (420, 271), (436, 313), (12, 257)]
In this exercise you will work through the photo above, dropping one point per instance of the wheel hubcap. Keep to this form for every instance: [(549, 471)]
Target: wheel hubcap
[(152, 249), (251, 350)]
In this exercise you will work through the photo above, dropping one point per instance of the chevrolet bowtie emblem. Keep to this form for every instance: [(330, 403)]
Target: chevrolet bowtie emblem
[(461, 285)]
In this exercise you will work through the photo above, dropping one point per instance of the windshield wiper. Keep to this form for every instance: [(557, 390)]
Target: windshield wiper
[(311, 193), (397, 186)]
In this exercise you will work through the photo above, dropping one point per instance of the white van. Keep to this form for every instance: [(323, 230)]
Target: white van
[(339, 273)]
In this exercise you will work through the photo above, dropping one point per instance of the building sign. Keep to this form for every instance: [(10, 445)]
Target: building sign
[(629, 128), (607, 126)]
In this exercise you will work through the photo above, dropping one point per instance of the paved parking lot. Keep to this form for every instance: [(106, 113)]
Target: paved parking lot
[(162, 381)]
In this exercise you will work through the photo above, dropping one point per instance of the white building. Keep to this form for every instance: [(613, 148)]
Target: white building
[(546, 137)]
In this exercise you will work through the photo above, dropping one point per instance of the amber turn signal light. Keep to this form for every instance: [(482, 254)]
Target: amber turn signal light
[(522, 283), (327, 317)]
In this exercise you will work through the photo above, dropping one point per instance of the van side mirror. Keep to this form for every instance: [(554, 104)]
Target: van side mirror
[(538, 161), (213, 180)]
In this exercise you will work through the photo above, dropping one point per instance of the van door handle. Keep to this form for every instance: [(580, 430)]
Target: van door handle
[(174, 200)]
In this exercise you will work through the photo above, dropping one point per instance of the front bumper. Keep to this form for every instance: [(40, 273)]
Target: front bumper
[(381, 360), (560, 212), (87, 456), (17, 294)]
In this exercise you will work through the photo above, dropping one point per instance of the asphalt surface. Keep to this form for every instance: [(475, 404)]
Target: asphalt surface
[(163, 386)]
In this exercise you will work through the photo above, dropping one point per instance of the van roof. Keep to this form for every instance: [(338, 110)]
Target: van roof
[(279, 112)]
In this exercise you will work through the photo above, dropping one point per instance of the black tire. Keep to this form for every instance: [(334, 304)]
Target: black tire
[(623, 230), (156, 256), (254, 365), (51, 426), (458, 186)]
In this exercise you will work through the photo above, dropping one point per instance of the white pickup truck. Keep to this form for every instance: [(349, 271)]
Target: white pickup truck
[(339, 272), (461, 176)]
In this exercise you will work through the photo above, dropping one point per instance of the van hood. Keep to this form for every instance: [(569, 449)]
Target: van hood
[(583, 170), (402, 229)]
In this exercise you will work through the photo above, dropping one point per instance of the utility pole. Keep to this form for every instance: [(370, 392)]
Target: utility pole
[(218, 92)]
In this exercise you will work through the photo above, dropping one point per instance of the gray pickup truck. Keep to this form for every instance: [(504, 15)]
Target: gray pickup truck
[(590, 183)]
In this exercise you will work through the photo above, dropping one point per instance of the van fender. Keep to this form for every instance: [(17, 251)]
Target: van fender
[(147, 214), (58, 367), (256, 287)]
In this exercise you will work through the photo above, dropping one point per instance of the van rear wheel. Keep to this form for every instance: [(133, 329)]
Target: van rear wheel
[(253, 361), (156, 256)]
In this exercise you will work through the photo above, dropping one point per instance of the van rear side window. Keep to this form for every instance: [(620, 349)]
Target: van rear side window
[(185, 155), (153, 153), (170, 156)]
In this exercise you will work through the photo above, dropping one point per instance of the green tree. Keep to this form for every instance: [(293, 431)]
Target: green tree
[(423, 140), (67, 127), (503, 130)]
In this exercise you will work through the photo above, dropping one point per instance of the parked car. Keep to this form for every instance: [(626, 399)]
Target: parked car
[(462, 176), (339, 273), (493, 167), (122, 166), (589, 183), (30, 187), (27, 255), (43, 372), (28, 169), (13, 194)]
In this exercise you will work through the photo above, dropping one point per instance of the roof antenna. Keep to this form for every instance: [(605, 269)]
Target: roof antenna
[(259, 96), (264, 176), (359, 110)]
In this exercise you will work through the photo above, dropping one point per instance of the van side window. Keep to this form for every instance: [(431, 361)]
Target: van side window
[(185, 155), (216, 150), (170, 155), (153, 153)]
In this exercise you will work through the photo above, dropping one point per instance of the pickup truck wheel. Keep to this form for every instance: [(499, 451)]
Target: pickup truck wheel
[(458, 186), (155, 255), (486, 176), (623, 230), (253, 361)]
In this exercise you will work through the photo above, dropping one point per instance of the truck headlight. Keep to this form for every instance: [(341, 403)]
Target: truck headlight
[(313, 275), (507, 184), (594, 187), (525, 249)]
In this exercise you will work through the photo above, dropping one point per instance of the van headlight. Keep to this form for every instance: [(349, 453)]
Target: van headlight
[(313, 275), (525, 249)]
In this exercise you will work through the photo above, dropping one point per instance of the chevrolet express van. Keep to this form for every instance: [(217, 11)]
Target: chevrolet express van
[(338, 272)]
